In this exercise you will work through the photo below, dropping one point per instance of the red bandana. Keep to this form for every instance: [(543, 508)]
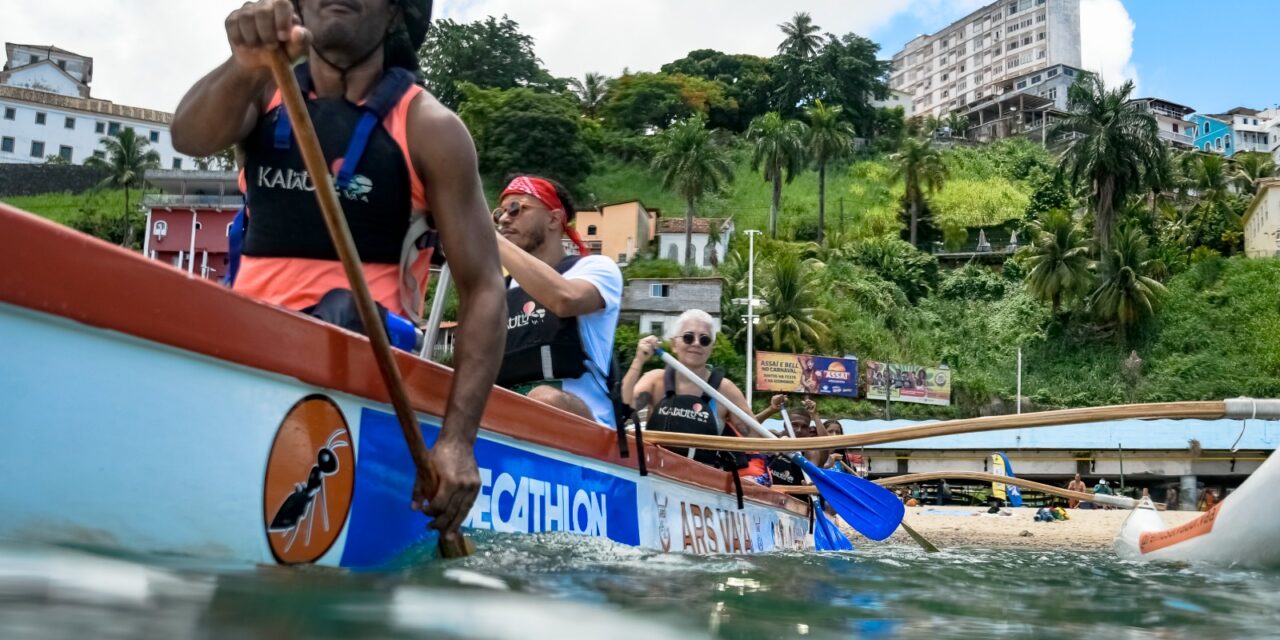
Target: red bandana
[(546, 194)]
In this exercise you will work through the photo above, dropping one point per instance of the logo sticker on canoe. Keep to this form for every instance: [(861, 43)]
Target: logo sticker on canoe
[(310, 478)]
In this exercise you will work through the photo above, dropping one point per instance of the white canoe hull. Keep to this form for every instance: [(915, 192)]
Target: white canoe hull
[(1243, 529)]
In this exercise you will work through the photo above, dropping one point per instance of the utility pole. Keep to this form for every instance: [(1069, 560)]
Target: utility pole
[(751, 312), (887, 389), (1019, 398)]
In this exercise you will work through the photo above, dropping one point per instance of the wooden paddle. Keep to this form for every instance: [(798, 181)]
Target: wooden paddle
[(452, 544)]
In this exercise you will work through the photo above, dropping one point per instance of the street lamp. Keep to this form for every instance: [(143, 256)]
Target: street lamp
[(751, 311)]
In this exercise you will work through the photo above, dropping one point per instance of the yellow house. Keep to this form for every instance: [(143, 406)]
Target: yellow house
[(1262, 221), (619, 230)]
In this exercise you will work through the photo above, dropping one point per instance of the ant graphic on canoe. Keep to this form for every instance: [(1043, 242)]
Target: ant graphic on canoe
[(299, 507)]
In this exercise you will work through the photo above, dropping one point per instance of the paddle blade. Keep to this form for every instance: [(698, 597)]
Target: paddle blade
[(868, 507), (826, 535)]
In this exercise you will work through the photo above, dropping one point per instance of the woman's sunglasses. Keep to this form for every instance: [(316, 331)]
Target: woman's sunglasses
[(703, 339)]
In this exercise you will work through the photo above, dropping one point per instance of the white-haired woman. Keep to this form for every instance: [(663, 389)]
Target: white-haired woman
[(673, 402)]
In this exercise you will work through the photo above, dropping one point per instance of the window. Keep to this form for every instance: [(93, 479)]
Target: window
[(70, 123), (99, 153), (1040, 36), (1175, 128), (1022, 85), (1026, 40), (591, 230), (9, 113), (113, 128), (657, 329), (160, 229), (1218, 143), (660, 290), (37, 149), (1052, 94), (40, 117), (6, 144), (155, 136), (64, 152), (1070, 72), (1052, 73), (177, 163), (1035, 79), (100, 127), (62, 64)]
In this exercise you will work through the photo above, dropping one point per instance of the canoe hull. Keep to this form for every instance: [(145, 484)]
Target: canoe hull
[(127, 444), (1240, 530)]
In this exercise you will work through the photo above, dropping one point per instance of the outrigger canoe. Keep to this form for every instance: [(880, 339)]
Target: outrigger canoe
[(148, 411), (1243, 529)]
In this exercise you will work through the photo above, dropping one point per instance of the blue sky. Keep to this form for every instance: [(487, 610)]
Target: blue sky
[(1208, 56)]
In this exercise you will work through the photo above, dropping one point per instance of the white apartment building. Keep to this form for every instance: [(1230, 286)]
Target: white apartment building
[(973, 57), (45, 110), (1251, 129)]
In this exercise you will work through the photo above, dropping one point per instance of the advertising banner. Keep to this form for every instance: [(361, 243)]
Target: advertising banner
[(798, 373), (909, 383)]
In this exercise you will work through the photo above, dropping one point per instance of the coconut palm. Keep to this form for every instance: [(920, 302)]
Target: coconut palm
[(793, 321), (590, 91), (1250, 168), (1058, 259), (919, 165), (1116, 148), (126, 160), (778, 149), (1126, 293), (830, 139), (802, 39), (692, 164), (958, 123)]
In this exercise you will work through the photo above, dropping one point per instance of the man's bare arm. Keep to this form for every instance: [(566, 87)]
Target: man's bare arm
[(222, 108), (565, 297), (445, 158)]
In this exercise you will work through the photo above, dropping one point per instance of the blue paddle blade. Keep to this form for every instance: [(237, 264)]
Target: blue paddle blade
[(869, 508), (826, 535)]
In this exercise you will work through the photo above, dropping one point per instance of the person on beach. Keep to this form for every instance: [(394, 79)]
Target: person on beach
[(1076, 484), (562, 310), (675, 403), (417, 176)]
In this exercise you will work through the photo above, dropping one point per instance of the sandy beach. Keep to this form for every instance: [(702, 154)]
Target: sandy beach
[(1087, 530)]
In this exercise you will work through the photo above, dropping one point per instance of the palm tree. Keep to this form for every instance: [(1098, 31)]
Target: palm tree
[(1125, 293), (1210, 177), (1058, 259), (1250, 168), (958, 123), (802, 39), (919, 165), (793, 321), (590, 91), (126, 161), (779, 151), (1115, 151), (692, 165), (830, 138)]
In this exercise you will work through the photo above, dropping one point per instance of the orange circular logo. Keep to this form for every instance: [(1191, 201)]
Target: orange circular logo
[(310, 479)]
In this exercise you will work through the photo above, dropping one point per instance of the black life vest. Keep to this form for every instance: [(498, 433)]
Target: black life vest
[(784, 471), (689, 414), (540, 344)]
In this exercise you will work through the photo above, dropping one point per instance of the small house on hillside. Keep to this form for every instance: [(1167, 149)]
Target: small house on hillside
[(619, 230), (705, 253), (654, 304)]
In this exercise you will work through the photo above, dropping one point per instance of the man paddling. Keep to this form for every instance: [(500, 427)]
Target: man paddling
[(406, 169), (562, 310)]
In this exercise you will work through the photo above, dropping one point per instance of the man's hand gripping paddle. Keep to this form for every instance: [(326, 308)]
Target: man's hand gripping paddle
[(868, 507)]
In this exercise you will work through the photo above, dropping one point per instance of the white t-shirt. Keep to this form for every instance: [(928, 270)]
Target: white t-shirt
[(596, 330)]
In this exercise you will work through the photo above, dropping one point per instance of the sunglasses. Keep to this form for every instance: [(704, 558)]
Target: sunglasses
[(703, 339)]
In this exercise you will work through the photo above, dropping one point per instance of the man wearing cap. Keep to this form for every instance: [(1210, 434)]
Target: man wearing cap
[(405, 168), (562, 310)]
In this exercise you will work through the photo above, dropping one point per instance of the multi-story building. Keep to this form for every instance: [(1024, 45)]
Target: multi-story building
[(618, 230), (1238, 130), (969, 60), (671, 239), (654, 304), (1172, 120), (46, 110), (1261, 221)]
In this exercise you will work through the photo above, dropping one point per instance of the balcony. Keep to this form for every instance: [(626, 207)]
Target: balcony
[(192, 201), (1176, 138)]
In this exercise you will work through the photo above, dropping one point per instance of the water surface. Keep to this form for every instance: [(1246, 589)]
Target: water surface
[(566, 587)]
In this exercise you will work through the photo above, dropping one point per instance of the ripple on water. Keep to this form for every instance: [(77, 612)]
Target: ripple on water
[(562, 586)]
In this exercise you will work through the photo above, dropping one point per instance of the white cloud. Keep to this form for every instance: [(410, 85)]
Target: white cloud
[(1106, 39), (148, 52)]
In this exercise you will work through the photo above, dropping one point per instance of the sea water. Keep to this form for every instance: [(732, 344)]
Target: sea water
[(564, 587)]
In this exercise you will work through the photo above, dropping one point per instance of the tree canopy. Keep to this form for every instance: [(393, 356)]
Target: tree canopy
[(490, 53)]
